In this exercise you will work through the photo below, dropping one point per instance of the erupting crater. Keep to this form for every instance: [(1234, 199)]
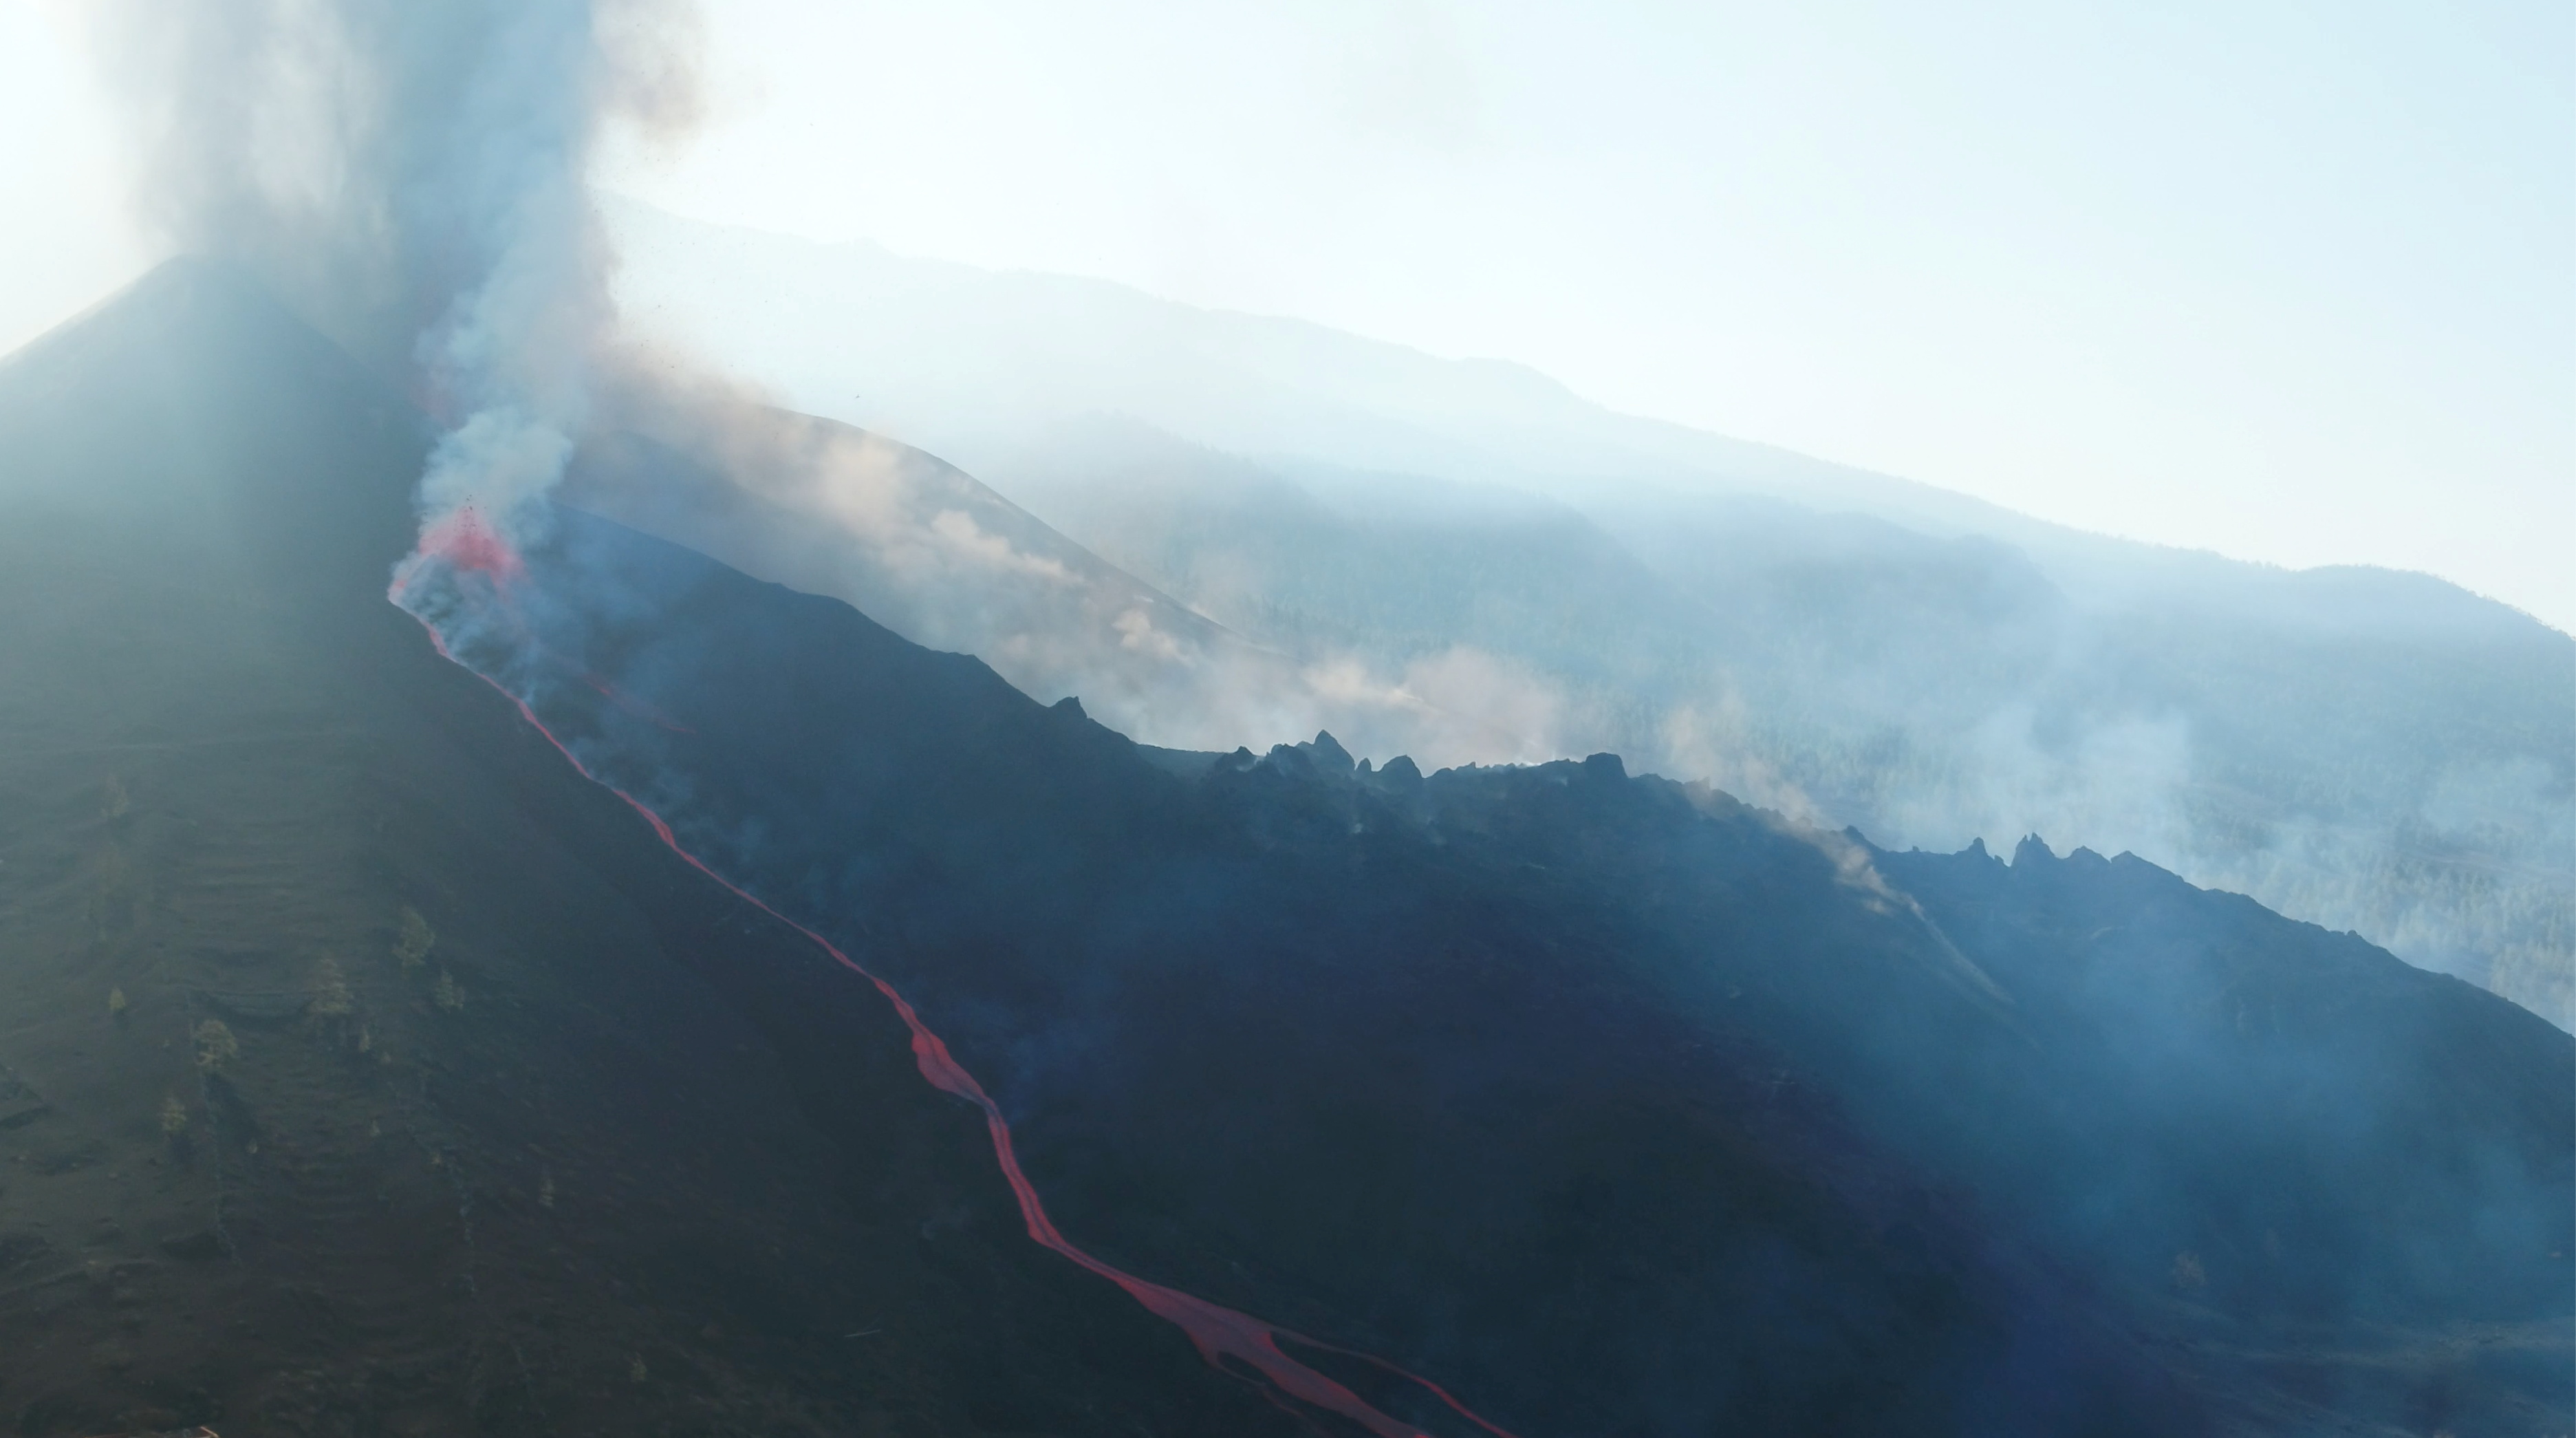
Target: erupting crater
[(463, 542)]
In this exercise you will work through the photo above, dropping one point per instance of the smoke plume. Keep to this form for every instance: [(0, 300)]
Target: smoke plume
[(411, 178)]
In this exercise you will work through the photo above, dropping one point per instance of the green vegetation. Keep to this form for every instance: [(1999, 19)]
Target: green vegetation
[(216, 1046), (330, 989), (414, 938)]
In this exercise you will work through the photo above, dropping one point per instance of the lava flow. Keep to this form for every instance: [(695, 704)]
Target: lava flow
[(464, 542), (633, 705)]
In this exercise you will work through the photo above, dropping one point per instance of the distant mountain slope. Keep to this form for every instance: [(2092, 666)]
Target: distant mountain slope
[(609, 1152), (2373, 751), (950, 563), (946, 561), (971, 362), (959, 359)]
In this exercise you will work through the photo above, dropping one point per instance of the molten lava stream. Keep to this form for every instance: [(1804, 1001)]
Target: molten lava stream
[(466, 545)]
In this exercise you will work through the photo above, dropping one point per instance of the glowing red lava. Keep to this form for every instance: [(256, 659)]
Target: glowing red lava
[(1217, 1332), (633, 705), (461, 540)]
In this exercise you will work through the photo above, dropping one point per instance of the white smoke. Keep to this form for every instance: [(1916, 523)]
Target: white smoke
[(412, 178)]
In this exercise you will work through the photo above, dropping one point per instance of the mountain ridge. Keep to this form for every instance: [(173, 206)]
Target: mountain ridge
[(1771, 468), (2374, 750)]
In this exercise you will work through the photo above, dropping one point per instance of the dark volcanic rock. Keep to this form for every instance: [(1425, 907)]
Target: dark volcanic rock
[(617, 1155), (1611, 1104)]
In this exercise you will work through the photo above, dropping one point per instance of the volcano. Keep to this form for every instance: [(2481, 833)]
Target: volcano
[(613, 1151), (462, 1019)]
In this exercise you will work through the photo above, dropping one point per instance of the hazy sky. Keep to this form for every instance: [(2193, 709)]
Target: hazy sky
[(2294, 282)]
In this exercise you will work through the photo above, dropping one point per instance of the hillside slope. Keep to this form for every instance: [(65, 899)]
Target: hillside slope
[(1608, 1103), (615, 1153), (1605, 1104)]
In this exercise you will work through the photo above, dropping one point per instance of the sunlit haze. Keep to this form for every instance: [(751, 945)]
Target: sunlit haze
[(2294, 283), (1431, 720)]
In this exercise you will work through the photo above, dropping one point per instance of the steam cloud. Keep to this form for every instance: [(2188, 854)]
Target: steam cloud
[(411, 178)]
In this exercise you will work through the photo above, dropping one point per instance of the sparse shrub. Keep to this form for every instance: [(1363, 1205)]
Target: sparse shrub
[(174, 1116), (330, 989), (216, 1046), (446, 994), (414, 938)]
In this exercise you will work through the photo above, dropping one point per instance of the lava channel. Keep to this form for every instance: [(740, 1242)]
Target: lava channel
[(1218, 1332)]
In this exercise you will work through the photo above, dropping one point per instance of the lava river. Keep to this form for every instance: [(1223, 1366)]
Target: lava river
[(485, 570)]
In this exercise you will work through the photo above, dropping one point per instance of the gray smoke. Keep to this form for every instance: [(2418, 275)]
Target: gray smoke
[(1415, 542), (411, 178)]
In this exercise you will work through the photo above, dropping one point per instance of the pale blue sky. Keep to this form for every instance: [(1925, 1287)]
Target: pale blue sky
[(2293, 282)]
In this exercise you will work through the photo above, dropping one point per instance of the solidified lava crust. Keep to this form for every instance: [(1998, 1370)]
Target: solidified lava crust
[(463, 542)]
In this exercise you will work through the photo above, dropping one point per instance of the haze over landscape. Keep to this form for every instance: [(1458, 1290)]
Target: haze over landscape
[(2289, 284), (1467, 563), (622, 810)]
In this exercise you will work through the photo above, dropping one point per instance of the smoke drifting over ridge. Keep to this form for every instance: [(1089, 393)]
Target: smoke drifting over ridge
[(411, 178)]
